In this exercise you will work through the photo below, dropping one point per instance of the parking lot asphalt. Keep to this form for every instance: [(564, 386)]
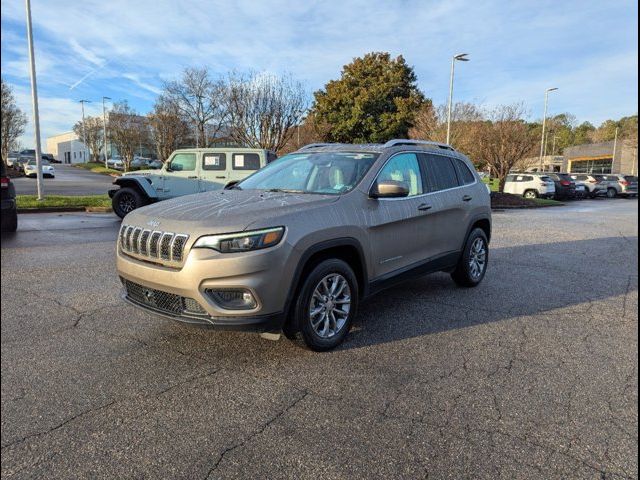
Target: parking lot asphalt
[(67, 181), (531, 375)]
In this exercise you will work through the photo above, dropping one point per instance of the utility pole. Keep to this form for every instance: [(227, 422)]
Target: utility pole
[(615, 144), (544, 123), (462, 57), (84, 131), (104, 131), (34, 102)]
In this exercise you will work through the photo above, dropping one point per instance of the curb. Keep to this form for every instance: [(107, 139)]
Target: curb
[(66, 209), (524, 207)]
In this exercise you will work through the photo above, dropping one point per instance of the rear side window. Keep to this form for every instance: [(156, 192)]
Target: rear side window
[(246, 161), (214, 161), (464, 174), (440, 173)]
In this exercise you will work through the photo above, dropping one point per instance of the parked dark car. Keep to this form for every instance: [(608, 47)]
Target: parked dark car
[(9, 212), (565, 186), (50, 158)]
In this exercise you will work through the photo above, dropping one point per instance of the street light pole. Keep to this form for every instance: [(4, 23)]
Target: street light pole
[(104, 131), (84, 131), (34, 101), (462, 57), (544, 122)]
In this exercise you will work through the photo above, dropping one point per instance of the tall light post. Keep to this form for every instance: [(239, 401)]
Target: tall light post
[(544, 122), (34, 102), (84, 131), (461, 57), (104, 131)]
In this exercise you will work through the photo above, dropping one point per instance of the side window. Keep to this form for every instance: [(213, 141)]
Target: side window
[(464, 174), (214, 161), (528, 178), (246, 161), (183, 162), (405, 168), (440, 173), (511, 178)]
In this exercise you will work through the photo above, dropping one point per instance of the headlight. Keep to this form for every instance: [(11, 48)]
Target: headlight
[(242, 241)]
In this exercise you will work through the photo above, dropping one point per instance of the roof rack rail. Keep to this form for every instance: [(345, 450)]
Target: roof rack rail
[(403, 141), (315, 145)]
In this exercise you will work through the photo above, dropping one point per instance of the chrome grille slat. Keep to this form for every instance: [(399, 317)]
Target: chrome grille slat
[(153, 245)]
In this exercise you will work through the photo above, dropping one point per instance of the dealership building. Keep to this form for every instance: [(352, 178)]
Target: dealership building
[(600, 158)]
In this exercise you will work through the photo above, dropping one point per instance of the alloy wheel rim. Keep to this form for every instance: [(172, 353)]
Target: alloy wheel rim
[(477, 258), (127, 203), (330, 305)]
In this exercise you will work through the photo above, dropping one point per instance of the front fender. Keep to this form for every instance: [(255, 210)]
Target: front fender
[(140, 183)]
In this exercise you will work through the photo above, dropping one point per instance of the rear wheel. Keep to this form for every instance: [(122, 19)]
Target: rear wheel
[(530, 194), (611, 193), (474, 260), (10, 221), (126, 200), (325, 306)]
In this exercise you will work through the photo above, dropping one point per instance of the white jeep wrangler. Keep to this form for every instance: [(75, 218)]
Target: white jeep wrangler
[(187, 171)]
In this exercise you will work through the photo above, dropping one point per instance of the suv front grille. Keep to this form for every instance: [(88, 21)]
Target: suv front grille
[(164, 302), (152, 245)]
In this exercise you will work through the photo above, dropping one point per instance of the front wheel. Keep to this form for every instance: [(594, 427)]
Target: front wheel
[(126, 200), (473, 262), (611, 193), (325, 307)]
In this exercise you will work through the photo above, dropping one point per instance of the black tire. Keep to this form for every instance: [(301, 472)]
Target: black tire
[(126, 200), (300, 328), (530, 194), (9, 221), (463, 274), (612, 193)]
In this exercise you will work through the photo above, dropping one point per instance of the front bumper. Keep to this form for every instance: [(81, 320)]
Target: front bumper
[(265, 273)]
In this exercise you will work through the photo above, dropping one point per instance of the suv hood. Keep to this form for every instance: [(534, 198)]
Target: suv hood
[(222, 211)]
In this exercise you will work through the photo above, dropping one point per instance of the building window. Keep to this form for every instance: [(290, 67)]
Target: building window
[(601, 165)]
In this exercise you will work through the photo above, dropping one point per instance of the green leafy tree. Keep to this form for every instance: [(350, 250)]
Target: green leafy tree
[(375, 99)]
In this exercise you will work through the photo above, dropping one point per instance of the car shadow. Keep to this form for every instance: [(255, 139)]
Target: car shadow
[(552, 279)]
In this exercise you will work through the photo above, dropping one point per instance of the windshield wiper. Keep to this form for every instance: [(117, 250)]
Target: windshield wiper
[(284, 190)]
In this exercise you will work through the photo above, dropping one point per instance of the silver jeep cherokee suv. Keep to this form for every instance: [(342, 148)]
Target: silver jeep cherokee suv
[(297, 245)]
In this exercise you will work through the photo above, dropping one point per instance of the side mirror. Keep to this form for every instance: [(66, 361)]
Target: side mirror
[(167, 167), (389, 189)]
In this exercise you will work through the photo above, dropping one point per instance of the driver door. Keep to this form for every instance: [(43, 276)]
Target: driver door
[(181, 175)]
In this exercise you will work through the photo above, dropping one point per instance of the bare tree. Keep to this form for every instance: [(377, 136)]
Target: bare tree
[(13, 121), (466, 121), (92, 134), (265, 109), (201, 101), (127, 131), (166, 128), (504, 139), (305, 132)]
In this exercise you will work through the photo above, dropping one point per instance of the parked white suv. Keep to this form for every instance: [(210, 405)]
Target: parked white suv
[(530, 185)]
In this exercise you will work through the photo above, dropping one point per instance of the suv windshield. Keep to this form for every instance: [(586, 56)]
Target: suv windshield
[(323, 172)]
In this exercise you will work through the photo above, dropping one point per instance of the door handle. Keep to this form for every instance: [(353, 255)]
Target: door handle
[(466, 198), (221, 176), (193, 176), (424, 206)]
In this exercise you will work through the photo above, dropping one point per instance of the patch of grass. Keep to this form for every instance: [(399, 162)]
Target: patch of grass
[(492, 182), (97, 167), (546, 202), (52, 201)]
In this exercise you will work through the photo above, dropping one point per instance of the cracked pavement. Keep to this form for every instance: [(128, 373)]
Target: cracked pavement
[(531, 375)]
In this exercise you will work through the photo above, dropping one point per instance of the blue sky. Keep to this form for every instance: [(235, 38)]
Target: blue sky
[(126, 49)]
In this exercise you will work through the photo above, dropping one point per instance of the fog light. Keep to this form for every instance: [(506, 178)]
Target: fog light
[(233, 299)]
